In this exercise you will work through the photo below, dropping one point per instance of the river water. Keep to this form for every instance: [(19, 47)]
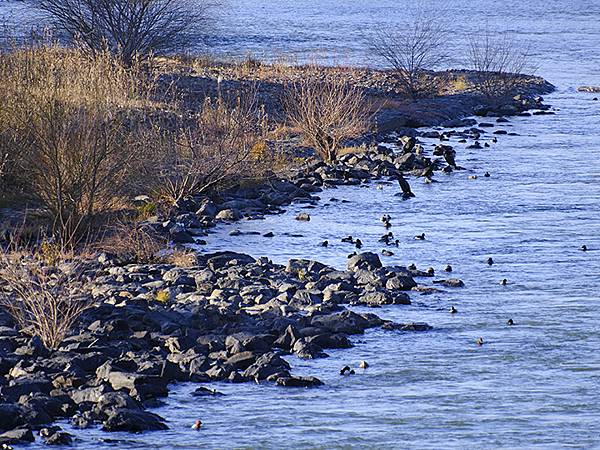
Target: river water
[(533, 385)]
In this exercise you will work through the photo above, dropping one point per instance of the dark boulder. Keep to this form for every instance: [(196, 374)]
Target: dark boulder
[(298, 381), (134, 421), (265, 366)]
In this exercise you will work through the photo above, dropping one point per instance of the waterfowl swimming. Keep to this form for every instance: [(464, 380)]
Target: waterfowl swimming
[(363, 365), (472, 177), (324, 243), (386, 238), (494, 139), (346, 370), (348, 239), (486, 145), (504, 282), (358, 243), (385, 252), (510, 322), (584, 248), (490, 261), (197, 425), (412, 267), (420, 237), (397, 243), (453, 310), (487, 175), (386, 218), (479, 341), (448, 268), (406, 191)]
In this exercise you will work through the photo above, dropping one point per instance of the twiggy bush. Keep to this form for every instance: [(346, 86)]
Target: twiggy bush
[(499, 63), (327, 113), (70, 122), (215, 150), (44, 301), (134, 242), (412, 51)]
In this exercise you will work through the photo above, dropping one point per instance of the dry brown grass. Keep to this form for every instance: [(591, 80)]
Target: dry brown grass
[(132, 241), (68, 123), (224, 145), (44, 301)]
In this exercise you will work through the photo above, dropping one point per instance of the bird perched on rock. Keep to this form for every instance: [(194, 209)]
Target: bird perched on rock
[(412, 267), (420, 237), (197, 425), (358, 243), (346, 370), (428, 171), (406, 191), (431, 271), (449, 156)]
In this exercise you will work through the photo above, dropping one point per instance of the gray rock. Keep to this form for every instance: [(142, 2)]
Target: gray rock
[(17, 436), (367, 260), (133, 421), (228, 215), (400, 283), (450, 282), (265, 366)]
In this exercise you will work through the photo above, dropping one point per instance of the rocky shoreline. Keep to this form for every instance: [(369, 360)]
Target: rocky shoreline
[(228, 316)]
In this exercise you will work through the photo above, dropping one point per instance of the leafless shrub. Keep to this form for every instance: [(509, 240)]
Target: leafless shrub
[(498, 62), (44, 301), (70, 123), (327, 113), (133, 241), (129, 28), (220, 147), (412, 51)]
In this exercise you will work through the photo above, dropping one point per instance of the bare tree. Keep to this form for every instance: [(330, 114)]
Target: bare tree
[(129, 28), (44, 301), (327, 113), (413, 51), (499, 63)]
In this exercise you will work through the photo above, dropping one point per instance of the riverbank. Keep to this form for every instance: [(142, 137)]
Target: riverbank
[(227, 316)]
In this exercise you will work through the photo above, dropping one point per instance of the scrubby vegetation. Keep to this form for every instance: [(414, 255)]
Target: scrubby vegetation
[(327, 113)]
